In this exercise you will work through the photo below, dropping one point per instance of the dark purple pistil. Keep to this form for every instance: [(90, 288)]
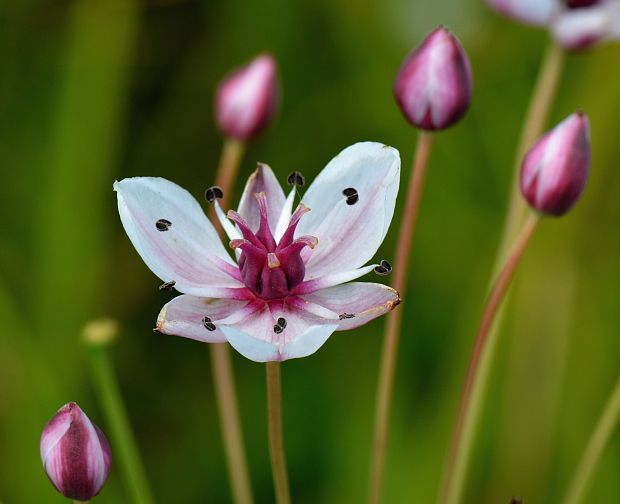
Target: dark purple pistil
[(271, 270)]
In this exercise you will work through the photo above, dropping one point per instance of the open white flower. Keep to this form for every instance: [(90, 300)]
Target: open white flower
[(286, 292), (575, 24)]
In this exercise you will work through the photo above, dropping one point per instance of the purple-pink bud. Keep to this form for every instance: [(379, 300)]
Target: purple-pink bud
[(555, 170), (75, 453), (433, 86), (247, 98)]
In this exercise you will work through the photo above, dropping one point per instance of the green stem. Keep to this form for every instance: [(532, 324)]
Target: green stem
[(123, 441), (276, 439), (385, 386), (221, 362), (599, 440), (537, 113), (478, 371)]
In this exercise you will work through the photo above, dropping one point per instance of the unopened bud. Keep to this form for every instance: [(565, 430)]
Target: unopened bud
[(433, 86), (246, 99), (555, 170), (533, 12), (75, 454)]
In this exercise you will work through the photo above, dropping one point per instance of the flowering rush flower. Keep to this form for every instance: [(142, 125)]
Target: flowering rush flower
[(75, 454), (287, 290), (575, 24), (433, 85), (247, 99), (555, 170)]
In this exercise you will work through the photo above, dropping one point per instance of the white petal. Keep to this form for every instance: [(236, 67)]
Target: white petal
[(349, 235), (229, 228), (534, 12), (285, 216), (581, 28), (365, 301), (330, 280), (256, 339), (190, 251), (262, 180), (184, 316)]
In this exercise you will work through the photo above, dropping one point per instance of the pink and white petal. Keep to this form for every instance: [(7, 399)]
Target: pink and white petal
[(349, 235), (325, 281), (533, 12), (184, 316), (582, 28), (262, 180), (189, 251), (364, 300), (256, 339)]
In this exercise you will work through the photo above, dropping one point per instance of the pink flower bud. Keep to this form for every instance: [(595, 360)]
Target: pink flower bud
[(433, 86), (75, 453), (555, 170), (247, 98)]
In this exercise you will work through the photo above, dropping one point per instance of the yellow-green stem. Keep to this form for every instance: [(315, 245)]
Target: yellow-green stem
[(221, 362), (387, 367), (117, 422), (276, 439), (535, 120), (601, 435), (478, 371)]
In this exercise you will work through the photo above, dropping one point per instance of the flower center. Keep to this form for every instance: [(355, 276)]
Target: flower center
[(271, 270)]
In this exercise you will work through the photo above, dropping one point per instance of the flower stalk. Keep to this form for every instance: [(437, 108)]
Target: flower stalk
[(221, 362), (276, 438), (599, 440), (537, 113), (391, 338), (98, 336), (477, 374)]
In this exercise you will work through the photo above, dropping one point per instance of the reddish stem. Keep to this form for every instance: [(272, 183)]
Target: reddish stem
[(394, 319)]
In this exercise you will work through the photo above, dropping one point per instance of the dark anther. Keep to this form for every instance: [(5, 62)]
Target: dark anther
[(167, 286), (516, 500), (345, 315), (278, 329), (351, 194), (383, 268), (163, 225), (209, 326), (296, 179), (282, 322), (214, 193)]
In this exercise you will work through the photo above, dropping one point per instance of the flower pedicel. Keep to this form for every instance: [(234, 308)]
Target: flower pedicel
[(287, 292)]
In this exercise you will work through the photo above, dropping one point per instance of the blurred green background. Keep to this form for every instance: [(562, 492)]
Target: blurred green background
[(97, 90)]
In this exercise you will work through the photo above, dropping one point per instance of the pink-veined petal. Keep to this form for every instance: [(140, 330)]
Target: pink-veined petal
[(262, 180), (189, 251), (185, 316), (349, 235), (365, 301), (256, 339)]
